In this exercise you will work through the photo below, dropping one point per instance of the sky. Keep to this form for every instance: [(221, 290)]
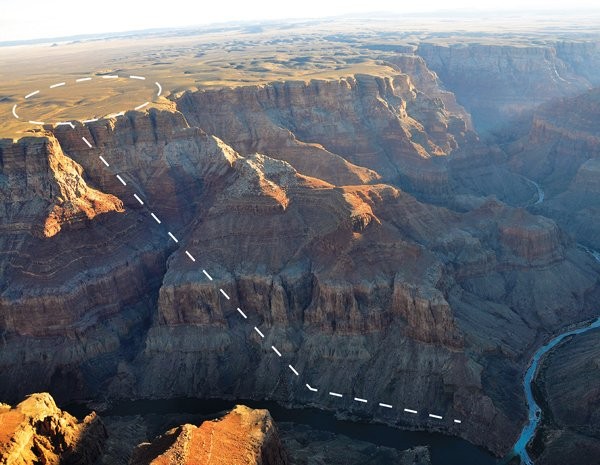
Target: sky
[(32, 19)]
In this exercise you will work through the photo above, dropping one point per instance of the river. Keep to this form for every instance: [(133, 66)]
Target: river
[(535, 411), (540, 192), (445, 450)]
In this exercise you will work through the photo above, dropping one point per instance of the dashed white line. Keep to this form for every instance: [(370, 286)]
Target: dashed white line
[(155, 217), (294, 370), (385, 405), (110, 76), (60, 84), (66, 123), (242, 313), (190, 255), (15, 111), (37, 122), (104, 161), (137, 197), (275, 350), (116, 115), (335, 394), (173, 237), (224, 294), (457, 421), (437, 417), (358, 399), (93, 120), (142, 78), (310, 388), (407, 410), (121, 179), (83, 79), (139, 107), (207, 275), (259, 332), (87, 143), (159, 89), (35, 92)]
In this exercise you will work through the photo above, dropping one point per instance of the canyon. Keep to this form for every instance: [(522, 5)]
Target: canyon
[(380, 229)]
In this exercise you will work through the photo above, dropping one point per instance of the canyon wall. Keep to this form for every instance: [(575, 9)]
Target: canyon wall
[(354, 130), (561, 152), (497, 83), (352, 279)]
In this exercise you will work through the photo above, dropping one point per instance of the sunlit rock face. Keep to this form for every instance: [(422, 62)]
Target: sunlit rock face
[(37, 431)]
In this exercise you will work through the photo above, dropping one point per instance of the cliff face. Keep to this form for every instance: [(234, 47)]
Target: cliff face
[(241, 436), (499, 82), (355, 130), (561, 152), (427, 82), (42, 189), (37, 431)]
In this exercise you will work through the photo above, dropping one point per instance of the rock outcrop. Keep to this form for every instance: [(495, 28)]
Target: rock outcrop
[(36, 431), (37, 175), (428, 83), (242, 436), (354, 130)]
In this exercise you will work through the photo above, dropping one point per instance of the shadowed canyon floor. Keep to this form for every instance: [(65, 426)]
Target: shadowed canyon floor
[(373, 214)]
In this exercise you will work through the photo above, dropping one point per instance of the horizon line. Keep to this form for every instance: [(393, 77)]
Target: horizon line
[(387, 15)]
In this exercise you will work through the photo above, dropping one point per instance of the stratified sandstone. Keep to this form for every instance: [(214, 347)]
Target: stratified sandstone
[(242, 437), (349, 131), (49, 184), (36, 431), (427, 82)]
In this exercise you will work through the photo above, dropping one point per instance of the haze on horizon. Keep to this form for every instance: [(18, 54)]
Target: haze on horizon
[(37, 19)]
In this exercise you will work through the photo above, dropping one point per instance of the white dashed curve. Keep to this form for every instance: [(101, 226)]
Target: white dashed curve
[(85, 79)]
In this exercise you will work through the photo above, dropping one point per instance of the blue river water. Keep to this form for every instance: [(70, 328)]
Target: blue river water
[(535, 412)]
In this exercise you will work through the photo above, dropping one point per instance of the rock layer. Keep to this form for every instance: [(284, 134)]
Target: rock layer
[(561, 152), (355, 130), (49, 184), (37, 431), (242, 436)]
